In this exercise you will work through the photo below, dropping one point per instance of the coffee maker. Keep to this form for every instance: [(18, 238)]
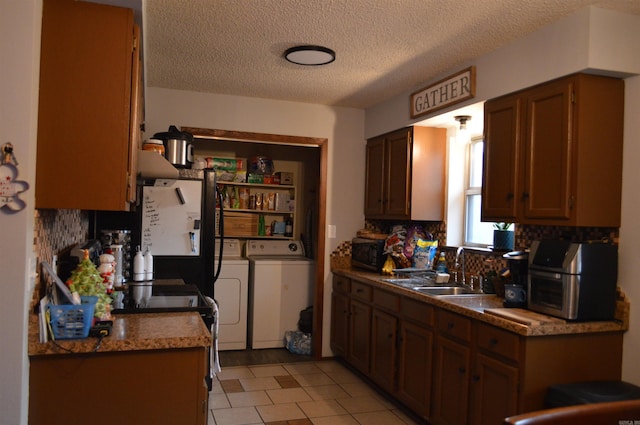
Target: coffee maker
[(515, 290)]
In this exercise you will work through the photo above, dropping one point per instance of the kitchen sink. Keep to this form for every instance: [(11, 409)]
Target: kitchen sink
[(410, 282), (445, 290), (477, 302)]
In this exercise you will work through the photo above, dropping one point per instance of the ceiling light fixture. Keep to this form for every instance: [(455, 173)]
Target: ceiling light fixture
[(310, 55), (462, 135)]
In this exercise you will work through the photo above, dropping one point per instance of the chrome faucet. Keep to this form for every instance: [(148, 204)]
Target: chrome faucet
[(460, 256)]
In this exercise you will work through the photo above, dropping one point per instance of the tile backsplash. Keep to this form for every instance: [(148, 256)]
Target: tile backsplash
[(480, 261), (56, 232)]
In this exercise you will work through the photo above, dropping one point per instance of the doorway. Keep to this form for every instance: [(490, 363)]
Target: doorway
[(312, 154)]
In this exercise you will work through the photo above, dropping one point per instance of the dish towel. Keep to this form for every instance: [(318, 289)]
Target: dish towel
[(214, 361)]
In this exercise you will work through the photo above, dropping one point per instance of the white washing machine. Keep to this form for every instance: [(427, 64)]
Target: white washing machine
[(280, 286), (231, 292)]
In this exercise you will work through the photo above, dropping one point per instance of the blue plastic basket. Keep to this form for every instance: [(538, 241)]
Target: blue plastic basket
[(69, 321)]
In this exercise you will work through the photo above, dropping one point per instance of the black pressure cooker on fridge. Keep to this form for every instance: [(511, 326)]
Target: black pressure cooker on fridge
[(515, 290), (178, 147)]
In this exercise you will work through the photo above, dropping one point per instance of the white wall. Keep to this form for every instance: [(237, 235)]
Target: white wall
[(590, 39), (629, 251), (20, 50), (343, 127)]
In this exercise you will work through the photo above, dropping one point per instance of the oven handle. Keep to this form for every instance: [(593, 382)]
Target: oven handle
[(547, 274)]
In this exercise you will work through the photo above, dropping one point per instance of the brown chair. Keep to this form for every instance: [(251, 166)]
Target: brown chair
[(609, 413)]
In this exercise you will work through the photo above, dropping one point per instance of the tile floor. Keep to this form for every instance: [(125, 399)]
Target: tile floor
[(304, 393)]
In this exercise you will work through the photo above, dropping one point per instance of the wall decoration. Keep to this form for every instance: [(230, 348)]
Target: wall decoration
[(10, 186), (449, 91)]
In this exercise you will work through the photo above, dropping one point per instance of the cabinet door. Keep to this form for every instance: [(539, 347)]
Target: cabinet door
[(548, 152), (494, 391), (168, 387), (360, 335), (398, 183), (374, 183), (384, 329), (451, 382), (339, 323), (500, 187), (84, 114), (415, 359)]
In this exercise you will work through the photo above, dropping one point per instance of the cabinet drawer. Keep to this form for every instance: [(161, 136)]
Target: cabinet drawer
[(453, 325), (341, 284), (417, 311), (498, 341), (386, 300), (361, 291)]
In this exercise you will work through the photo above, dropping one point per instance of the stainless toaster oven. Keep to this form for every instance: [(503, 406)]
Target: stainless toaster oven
[(573, 281)]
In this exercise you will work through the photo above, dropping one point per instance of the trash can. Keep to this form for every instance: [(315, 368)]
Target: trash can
[(590, 392)]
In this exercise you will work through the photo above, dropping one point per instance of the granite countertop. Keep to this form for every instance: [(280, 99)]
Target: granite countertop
[(132, 332), (475, 307)]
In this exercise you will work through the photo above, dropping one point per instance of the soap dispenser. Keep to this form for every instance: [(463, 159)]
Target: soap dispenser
[(441, 266)]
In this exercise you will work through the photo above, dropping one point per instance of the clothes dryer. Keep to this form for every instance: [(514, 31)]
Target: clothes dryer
[(231, 293)]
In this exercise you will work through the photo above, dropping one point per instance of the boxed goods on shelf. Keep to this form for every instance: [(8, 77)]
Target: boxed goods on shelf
[(284, 177), (228, 164), (255, 178), (238, 224)]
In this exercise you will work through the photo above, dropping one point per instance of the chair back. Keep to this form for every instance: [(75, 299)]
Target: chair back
[(615, 412)]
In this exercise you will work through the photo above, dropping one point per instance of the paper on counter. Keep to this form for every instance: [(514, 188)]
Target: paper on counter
[(42, 318)]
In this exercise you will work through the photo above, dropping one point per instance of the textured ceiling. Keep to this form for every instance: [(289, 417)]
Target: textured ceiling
[(383, 47)]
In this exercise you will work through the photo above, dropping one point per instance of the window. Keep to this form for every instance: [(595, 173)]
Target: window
[(476, 232)]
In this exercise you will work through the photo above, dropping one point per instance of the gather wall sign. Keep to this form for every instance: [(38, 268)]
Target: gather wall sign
[(448, 91)]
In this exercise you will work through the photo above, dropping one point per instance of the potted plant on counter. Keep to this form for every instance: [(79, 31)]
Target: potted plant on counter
[(503, 237)]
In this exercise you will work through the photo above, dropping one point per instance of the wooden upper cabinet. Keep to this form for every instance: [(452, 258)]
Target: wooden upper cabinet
[(553, 153), (501, 180), (374, 191), (405, 175), (90, 107), (546, 189), (398, 174)]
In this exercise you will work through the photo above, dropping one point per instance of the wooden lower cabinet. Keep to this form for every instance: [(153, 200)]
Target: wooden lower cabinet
[(135, 387), (414, 368), (452, 362), (339, 323), (451, 369), (495, 379), (384, 335), (387, 337), (359, 347), (494, 390)]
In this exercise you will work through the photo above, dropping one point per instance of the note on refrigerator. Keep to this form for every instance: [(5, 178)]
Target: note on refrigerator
[(171, 218)]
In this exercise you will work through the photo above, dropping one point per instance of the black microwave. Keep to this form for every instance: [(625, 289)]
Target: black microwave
[(367, 254)]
